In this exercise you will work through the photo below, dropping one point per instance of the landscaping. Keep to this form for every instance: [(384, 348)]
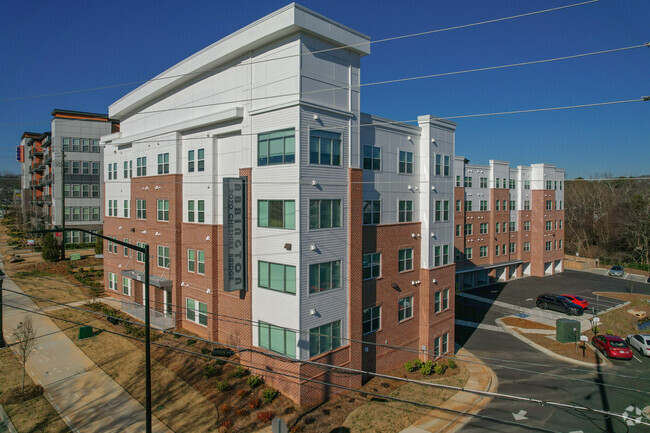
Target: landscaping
[(619, 321)]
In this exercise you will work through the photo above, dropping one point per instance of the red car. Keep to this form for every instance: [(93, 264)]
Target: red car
[(612, 346), (577, 300)]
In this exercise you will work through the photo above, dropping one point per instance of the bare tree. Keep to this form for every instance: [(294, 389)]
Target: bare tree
[(25, 337)]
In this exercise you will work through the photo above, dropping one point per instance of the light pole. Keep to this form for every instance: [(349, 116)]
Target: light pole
[(2, 338), (62, 165)]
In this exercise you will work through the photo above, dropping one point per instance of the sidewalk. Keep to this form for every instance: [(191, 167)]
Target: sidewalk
[(482, 378), (85, 397)]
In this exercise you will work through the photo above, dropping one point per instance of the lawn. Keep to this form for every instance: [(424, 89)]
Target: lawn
[(620, 322), (32, 413)]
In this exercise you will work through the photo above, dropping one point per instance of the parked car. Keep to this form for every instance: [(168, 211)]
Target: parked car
[(582, 302), (616, 271), (612, 346), (640, 342), (558, 303)]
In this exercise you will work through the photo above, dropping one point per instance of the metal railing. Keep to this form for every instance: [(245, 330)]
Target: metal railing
[(158, 319)]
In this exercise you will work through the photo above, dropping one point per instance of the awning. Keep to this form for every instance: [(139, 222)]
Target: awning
[(163, 283), (495, 265)]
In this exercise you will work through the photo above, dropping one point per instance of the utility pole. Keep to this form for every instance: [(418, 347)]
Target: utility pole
[(2, 338), (63, 202)]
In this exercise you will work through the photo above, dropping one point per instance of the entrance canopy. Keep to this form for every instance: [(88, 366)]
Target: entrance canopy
[(163, 283)]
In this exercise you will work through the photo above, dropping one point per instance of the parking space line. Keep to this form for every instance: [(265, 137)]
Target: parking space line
[(637, 359)]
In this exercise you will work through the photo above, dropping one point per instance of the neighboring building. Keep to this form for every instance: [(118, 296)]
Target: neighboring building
[(509, 222), (74, 139)]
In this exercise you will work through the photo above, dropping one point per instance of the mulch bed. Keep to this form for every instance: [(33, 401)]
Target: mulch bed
[(526, 324)]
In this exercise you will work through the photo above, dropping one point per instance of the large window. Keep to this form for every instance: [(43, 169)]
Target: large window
[(406, 211), (372, 319), (324, 276), (141, 209), (141, 166), (324, 214), (325, 148), (405, 257), (277, 339), (371, 211), (163, 163), (274, 276), (163, 210), (405, 308), (483, 251), (276, 214), (196, 311), (405, 162), (163, 257), (371, 158), (371, 265), (277, 147), (324, 338)]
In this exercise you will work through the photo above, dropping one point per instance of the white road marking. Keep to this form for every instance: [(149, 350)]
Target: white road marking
[(521, 415), (637, 359)]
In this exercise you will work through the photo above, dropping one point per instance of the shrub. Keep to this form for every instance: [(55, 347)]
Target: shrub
[(409, 366), (451, 364), (269, 394), (254, 403), (243, 412), (227, 423), (265, 416), (191, 342), (254, 381), (418, 363), (239, 372), (222, 386), (439, 368), (609, 331), (205, 351), (243, 393), (210, 370), (427, 368), (220, 362), (51, 251), (225, 408)]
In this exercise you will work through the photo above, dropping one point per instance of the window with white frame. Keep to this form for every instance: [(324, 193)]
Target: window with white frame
[(445, 299), (163, 163), (126, 286), (548, 246), (526, 246), (200, 262), (405, 259), (196, 311), (112, 281), (190, 161), (482, 252), (141, 209), (277, 339), (127, 205), (141, 166), (468, 253), (405, 162), (200, 160), (483, 228), (191, 260), (483, 182), (190, 211), (163, 210), (200, 213), (163, 257), (140, 257), (512, 247)]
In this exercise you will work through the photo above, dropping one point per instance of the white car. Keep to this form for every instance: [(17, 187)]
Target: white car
[(640, 342)]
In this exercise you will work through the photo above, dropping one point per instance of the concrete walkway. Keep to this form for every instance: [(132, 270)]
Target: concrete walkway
[(85, 397), (6, 426), (482, 378)]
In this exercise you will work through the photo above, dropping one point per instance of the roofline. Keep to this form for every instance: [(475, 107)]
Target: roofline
[(388, 123), (57, 112), (30, 134)]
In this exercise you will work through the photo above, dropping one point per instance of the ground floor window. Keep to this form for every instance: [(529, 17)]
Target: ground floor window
[(277, 339), (112, 281), (196, 311), (126, 286), (324, 338)]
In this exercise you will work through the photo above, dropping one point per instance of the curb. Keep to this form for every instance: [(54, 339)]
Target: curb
[(6, 421), (550, 352)]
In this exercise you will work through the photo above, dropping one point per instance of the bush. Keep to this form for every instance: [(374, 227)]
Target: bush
[(239, 372), (254, 381), (427, 368), (409, 366), (269, 394), (451, 364), (51, 251), (609, 331), (243, 393), (220, 362), (210, 370), (225, 408), (243, 412), (265, 416), (222, 386), (254, 403), (205, 351), (440, 368), (191, 342)]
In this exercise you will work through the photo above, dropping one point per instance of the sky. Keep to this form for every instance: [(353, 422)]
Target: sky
[(48, 47)]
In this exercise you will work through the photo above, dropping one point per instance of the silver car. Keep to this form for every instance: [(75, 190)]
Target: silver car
[(616, 271), (640, 342)]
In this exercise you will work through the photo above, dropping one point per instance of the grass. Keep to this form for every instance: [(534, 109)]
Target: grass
[(33, 415), (619, 321)]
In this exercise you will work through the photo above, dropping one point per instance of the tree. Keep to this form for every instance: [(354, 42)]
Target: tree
[(25, 337), (50, 248)]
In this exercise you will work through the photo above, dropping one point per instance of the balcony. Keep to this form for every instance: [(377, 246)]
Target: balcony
[(35, 152), (33, 183), (40, 167), (47, 199), (46, 180)]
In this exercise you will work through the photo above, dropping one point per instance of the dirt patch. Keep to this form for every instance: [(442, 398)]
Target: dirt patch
[(570, 350), (526, 324), (16, 396)]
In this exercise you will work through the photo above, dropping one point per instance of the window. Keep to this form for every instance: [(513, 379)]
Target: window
[(512, 248), (371, 265), (405, 257), (405, 308), (549, 184), (483, 205), (114, 244), (559, 243), (95, 167), (436, 303), (110, 209), (277, 339), (371, 211), (560, 225), (85, 190), (190, 161), (276, 214), (126, 286), (112, 281), (560, 185), (458, 181), (76, 191), (526, 246), (497, 205), (196, 311), (497, 226), (458, 204), (278, 277), (526, 226), (163, 257), (405, 162), (126, 249), (549, 204), (406, 210), (275, 148), (371, 158), (438, 165), (114, 170), (324, 276), (141, 209), (549, 225), (513, 206), (527, 205), (458, 230), (95, 213), (141, 166), (447, 167), (140, 257), (482, 252), (371, 319), (445, 299), (445, 210), (483, 182), (505, 204), (85, 213), (163, 163), (513, 226), (325, 148), (526, 184), (201, 211), (65, 143), (548, 246), (200, 160), (190, 211), (496, 250), (94, 145), (200, 258), (438, 210), (468, 253), (555, 244), (110, 171), (445, 254), (468, 205), (483, 228), (75, 145), (468, 181), (436, 346), (126, 169), (324, 214), (85, 167), (555, 225), (324, 338), (126, 208), (469, 229), (512, 183), (163, 210), (436, 256), (445, 343), (560, 206), (191, 260)]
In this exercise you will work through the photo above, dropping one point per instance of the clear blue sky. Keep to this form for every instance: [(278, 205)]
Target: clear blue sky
[(58, 46)]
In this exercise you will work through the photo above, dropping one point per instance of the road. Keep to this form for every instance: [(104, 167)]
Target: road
[(524, 371)]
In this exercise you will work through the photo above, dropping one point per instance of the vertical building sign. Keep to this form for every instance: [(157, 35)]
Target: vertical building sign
[(234, 234), (20, 153)]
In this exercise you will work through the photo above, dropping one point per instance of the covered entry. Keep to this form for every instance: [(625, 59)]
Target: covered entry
[(161, 311)]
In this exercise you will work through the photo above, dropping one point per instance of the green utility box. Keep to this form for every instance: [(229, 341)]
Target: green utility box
[(85, 332), (567, 330), (75, 256)]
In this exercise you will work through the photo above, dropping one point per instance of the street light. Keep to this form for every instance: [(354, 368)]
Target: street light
[(2, 338)]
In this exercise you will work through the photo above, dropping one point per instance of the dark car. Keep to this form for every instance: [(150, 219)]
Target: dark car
[(612, 346), (558, 303)]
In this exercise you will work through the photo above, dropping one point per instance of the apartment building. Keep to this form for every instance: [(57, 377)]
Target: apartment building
[(72, 147), (509, 222), (279, 217)]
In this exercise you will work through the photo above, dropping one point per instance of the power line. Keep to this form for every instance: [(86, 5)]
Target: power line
[(303, 54)]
